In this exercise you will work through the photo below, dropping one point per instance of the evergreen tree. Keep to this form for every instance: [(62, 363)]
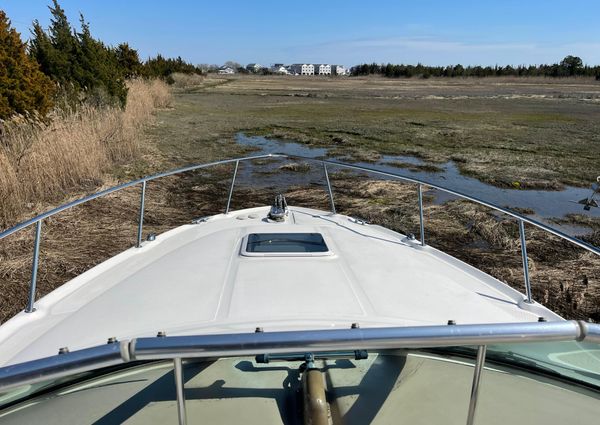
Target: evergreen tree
[(23, 87), (77, 61), (98, 68), (129, 60), (573, 65), (163, 68)]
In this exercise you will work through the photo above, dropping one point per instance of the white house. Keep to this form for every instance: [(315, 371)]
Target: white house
[(303, 68), (254, 67), (308, 69), (338, 70), (226, 70), (279, 68), (322, 69)]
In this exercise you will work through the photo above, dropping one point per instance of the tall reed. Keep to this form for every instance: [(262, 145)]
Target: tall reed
[(41, 162)]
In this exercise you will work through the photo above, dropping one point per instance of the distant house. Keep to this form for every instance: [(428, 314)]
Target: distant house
[(279, 68), (338, 70), (226, 70), (308, 69), (294, 69), (322, 69), (254, 67), (302, 69)]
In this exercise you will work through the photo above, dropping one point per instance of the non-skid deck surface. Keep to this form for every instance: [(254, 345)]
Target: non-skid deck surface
[(193, 280)]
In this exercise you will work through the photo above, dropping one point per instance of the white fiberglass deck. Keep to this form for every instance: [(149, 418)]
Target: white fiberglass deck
[(194, 280)]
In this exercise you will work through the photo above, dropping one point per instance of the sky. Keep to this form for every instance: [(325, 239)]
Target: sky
[(344, 32)]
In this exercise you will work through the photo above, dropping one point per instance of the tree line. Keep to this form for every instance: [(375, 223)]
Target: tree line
[(63, 64), (570, 66)]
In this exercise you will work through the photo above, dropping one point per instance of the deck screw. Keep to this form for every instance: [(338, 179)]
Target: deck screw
[(542, 319), (161, 334), (452, 322), (355, 325), (63, 350), (258, 330), (111, 340)]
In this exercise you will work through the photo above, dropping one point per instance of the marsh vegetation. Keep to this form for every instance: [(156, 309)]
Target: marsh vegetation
[(541, 133)]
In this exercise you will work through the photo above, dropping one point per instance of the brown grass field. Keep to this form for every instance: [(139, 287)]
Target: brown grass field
[(542, 133)]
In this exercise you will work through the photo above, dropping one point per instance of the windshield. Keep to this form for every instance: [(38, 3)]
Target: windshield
[(355, 388), (575, 360)]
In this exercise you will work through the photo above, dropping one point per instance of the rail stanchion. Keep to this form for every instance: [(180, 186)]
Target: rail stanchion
[(525, 261), (34, 267), (179, 387), (421, 221), (141, 218), (475, 385), (237, 163), (329, 188)]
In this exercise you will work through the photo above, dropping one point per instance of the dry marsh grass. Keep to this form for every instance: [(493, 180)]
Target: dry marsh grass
[(42, 161), (359, 117), (186, 81)]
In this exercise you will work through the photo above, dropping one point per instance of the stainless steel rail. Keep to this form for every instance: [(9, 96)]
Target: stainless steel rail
[(141, 218), (231, 345), (481, 350), (143, 182), (351, 339), (329, 191), (421, 220), (329, 340), (235, 170), (179, 384), (61, 365)]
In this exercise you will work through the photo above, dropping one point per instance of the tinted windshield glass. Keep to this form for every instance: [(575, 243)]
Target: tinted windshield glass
[(572, 359), (286, 242)]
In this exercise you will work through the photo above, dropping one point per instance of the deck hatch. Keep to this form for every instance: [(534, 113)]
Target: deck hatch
[(292, 244)]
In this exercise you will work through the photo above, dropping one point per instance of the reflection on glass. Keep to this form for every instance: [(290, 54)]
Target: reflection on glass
[(286, 242)]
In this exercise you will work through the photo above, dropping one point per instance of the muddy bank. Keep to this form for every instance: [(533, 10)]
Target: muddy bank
[(549, 206)]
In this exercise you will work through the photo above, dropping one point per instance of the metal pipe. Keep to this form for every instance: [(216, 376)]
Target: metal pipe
[(322, 341), (141, 219), (34, 267), (113, 189), (475, 385), (591, 332), (528, 220), (329, 189), (421, 221), (525, 261), (580, 243), (351, 339), (58, 366), (178, 373), (237, 163), (316, 411)]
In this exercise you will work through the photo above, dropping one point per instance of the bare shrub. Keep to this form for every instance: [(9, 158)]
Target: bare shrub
[(186, 80), (41, 161)]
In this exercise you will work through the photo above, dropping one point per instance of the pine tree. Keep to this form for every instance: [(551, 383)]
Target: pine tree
[(77, 61), (23, 87), (129, 60)]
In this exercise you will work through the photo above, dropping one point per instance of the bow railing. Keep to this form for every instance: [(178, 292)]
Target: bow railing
[(141, 183)]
